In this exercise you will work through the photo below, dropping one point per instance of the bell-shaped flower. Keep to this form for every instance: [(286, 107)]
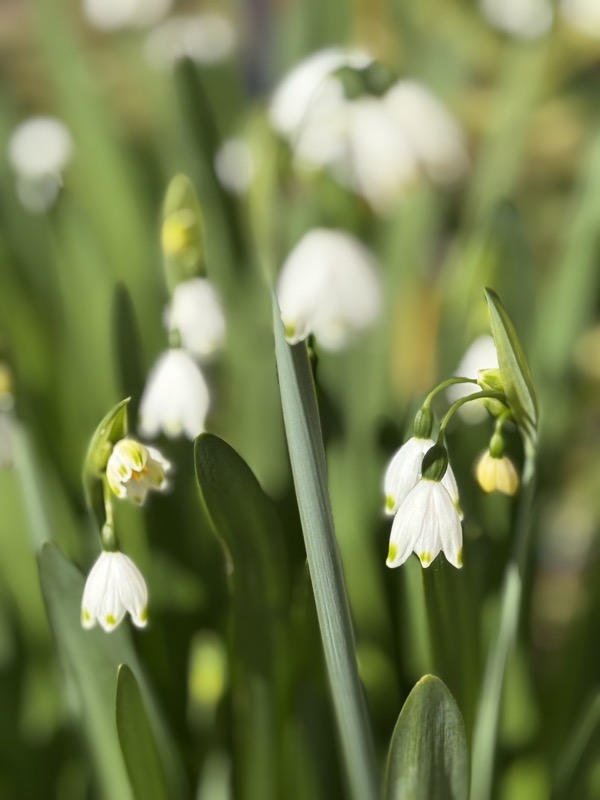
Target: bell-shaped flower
[(497, 474), (176, 397), (133, 469), (426, 523), (39, 149), (328, 286), (404, 472), (197, 315), (234, 165), (114, 587), (480, 355), (207, 38), (524, 19)]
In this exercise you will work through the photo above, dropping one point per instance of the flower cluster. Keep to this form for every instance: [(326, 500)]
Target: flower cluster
[(342, 111)]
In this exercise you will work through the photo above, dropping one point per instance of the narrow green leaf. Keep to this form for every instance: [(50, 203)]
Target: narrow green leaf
[(245, 521), (90, 660), (138, 745), (127, 348), (514, 368), (307, 456), (428, 759)]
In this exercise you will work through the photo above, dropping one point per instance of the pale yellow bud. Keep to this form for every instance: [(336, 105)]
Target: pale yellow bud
[(497, 474)]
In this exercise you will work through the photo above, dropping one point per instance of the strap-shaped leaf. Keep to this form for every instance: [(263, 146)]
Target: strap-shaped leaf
[(428, 759), (138, 745), (246, 522), (516, 376)]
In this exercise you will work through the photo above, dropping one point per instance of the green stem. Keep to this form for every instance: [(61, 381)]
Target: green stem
[(307, 457), (461, 402), (444, 385), (488, 712)]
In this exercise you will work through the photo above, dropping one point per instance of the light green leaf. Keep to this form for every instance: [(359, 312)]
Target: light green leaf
[(428, 759), (516, 377), (307, 456), (245, 521), (90, 660), (138, 745)]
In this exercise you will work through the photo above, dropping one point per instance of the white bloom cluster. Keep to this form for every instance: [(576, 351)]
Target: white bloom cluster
[(114, 587), (328, 286), (427, 515), (39, 149), (375, 145), (176, 399)]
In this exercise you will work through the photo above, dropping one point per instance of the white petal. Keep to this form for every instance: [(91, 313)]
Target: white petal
[(404, 471), (197, 314), (527, 19), (40, 146)]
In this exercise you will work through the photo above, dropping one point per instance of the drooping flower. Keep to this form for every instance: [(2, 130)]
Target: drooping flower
[(206, 38), (111, 15), (404, 472), (176, 397), (197, 315), (375, 142), (496, 474), (234, 165), (524, 19), (114, 587), (480, 355), (39, 150), (329, 287), (133, 469), (426, 523)]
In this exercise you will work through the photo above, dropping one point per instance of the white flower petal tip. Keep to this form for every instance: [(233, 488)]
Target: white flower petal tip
[(114, 587), (497, 474), (329, 286), (404, 472), (176, 398), (426, 523), (133, 469), (197, 315)]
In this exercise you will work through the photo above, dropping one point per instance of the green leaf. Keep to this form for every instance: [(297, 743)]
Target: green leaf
[(428, 759), (516, 376), (307, 456), (246, 523), (138, 745), (127, 348), (90, 660)]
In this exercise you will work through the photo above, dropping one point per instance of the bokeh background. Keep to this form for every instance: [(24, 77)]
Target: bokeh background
[(82, 294)]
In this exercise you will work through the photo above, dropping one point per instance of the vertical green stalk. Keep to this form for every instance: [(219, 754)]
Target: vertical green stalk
[(488, 712), (303, 432)]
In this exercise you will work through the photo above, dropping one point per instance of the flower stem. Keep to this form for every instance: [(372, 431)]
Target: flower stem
[(444, 385), (461, 402), (488, 712)]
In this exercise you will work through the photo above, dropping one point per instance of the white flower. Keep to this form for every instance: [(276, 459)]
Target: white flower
[(526, 19), (114, 587), (377, 146), (133, 469), (207, 38), (38, 151), (497, 474), (328, 286), (426, 522), (481, 354), (583, 15), (176, 398), (404, 473), (196, 313), (234, 165), (109, 15)]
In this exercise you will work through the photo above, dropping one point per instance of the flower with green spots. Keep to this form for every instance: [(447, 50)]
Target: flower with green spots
[(133, 469), (114, 587), (426, 523)]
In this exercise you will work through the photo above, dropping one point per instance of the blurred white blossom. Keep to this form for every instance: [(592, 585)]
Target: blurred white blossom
[(234, 165), (39, 149), (583, 15), (109, 15), (404, 472), (377, 145), (525, 19), (207, 38), (481, 354), (114, 587), (176, 397), (197, 315), (133, 469), (328, 286), (426, 523)]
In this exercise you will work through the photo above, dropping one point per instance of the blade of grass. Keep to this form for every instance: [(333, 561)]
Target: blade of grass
[(303, 431)]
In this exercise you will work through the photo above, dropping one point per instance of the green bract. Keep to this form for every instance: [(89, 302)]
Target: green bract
[(514, 370), (182, 233)]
